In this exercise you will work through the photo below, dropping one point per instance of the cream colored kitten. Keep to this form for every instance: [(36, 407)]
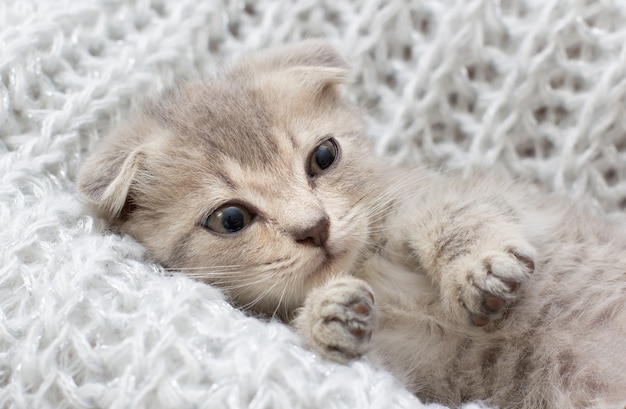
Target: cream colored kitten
[(264, 183)]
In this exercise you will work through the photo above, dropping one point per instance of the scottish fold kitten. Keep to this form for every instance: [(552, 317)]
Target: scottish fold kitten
[(263, 182)]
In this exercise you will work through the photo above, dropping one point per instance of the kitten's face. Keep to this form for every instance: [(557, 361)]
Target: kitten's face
[(259, 184)]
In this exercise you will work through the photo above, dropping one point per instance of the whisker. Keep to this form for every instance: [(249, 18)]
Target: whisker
[(259, 297), (369, 244), (280, 300), (205, 268), (243, 285)]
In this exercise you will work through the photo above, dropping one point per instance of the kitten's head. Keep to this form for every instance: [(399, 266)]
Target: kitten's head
[(258, 182)]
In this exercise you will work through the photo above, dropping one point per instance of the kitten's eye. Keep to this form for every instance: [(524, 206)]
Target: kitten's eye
[(323, 156), (228, 219)]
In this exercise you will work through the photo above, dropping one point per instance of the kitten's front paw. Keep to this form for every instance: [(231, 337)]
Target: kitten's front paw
[(338, 318), (490, 282)]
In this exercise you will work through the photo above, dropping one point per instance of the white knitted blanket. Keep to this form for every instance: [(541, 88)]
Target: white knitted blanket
[(86, 321)]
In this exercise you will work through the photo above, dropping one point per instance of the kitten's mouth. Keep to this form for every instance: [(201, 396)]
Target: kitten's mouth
[(328, 260), (336, 256), (325, 267), (329, 263)]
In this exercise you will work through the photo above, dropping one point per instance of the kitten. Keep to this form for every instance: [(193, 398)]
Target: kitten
[(264, 183)]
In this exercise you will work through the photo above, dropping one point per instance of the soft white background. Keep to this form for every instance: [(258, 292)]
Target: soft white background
[(87, 321)]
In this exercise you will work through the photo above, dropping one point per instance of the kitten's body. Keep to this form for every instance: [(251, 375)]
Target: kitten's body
[(561, 343), (466, 289)]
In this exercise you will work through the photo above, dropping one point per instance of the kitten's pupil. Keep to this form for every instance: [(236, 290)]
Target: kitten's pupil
[(228, 219), (323, 156), (232, 219)]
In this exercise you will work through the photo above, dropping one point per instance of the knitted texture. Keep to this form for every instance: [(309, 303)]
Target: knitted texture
[(87, 321)]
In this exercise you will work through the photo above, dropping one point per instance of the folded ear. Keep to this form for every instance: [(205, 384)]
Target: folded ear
[(315, 61), (106, 178)]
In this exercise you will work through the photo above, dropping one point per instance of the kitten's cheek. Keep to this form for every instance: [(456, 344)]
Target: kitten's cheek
[(344, 253), (345, 239), (335, 246)]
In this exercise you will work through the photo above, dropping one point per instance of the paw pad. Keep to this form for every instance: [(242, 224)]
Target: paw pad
[(492, 304), (360, 308)]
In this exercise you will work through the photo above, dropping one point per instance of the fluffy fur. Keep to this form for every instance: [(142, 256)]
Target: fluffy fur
[(465, 288)]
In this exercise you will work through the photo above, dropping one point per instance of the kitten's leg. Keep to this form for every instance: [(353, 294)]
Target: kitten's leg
[(477, 252), (338, 318)]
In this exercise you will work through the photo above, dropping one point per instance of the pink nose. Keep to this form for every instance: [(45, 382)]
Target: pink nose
[(316, 234)]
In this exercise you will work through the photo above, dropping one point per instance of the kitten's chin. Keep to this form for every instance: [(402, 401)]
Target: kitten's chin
[(329, 263)]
